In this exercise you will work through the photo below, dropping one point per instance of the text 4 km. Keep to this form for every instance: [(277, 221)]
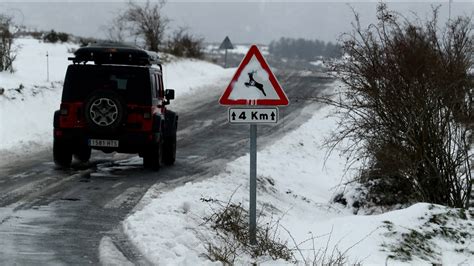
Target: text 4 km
[(253, 115)]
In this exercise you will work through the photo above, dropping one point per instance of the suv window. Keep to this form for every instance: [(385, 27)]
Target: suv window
[(160, 86), (153, 82), (133, 83)]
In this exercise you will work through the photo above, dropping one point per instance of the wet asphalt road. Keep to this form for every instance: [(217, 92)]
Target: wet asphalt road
[(58, 217)]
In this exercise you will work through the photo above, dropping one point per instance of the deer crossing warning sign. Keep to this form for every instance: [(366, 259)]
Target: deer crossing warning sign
[(254, 83)]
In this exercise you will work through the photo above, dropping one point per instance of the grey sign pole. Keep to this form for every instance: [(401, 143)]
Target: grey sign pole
[(47, 67), (253, 185), (226, 44), (225, 59)]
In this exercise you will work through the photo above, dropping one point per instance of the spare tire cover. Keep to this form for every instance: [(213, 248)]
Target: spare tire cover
[(104, 110)]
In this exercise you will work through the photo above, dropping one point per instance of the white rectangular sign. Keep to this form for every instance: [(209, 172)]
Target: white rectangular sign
[(267, 115)]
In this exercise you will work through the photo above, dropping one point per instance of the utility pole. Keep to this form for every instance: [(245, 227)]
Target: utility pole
[(450, 1)]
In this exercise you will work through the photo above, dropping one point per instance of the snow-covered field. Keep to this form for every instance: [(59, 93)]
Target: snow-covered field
[(295, 191), (29, 101), (238, 49)]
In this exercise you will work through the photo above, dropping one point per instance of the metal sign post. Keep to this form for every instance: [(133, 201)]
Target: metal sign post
[(226, 44), (47, 67), (225, 59), (253, 185), (260, 89), (253, 116)]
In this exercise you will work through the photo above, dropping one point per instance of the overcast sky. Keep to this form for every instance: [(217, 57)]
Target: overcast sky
[(242, 21)]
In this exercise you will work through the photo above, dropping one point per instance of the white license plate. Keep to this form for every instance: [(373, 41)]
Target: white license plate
[(103, 143)]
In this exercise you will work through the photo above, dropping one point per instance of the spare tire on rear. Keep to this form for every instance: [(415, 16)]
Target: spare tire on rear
[(104, 110)]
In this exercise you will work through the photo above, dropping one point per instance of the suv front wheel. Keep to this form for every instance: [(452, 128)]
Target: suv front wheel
[(62, 153), (152, 156), (169, 150)]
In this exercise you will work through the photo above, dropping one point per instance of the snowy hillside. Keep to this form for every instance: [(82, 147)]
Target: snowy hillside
[(29, 101), (295, 192)]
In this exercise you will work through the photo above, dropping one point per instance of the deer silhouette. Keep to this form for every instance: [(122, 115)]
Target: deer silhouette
[(253, 83)]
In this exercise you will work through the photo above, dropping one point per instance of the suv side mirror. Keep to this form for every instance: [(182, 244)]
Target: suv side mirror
[(169, 94)]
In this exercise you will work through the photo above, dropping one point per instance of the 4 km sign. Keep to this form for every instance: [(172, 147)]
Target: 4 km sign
[(253, 115), (253, 85)]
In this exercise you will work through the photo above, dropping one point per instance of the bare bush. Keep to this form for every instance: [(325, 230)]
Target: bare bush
[(54, 37), (142, 22), (230, 223), (7, 37), (406, 107), (184, 44)]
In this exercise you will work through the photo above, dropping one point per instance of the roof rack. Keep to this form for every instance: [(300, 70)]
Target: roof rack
[(115, 53)]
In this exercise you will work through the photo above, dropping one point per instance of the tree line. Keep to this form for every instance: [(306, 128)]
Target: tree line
[(304, 49)]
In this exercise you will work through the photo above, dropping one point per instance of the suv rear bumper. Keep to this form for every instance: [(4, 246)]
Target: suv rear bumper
[(129, 141)]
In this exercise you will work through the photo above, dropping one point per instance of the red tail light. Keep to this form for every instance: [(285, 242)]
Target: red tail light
[(58, 133)]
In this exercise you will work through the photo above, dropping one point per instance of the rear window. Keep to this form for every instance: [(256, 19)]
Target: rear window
[(132, 83)]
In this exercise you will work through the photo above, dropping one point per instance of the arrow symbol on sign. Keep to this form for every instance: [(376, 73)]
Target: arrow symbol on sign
[(273, 116), (233, 115)]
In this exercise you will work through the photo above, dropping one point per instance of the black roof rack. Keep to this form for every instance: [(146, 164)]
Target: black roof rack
[(113, 53)]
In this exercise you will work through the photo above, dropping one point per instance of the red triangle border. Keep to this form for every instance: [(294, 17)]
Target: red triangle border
[(224, 100)]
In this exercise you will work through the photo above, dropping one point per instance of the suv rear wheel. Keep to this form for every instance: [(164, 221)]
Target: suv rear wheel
[(62, 153), (83, 153)]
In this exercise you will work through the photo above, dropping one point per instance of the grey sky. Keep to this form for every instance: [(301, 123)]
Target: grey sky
[(243, 21)]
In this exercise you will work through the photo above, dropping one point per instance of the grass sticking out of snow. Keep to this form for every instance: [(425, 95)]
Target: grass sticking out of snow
[(441, 232)]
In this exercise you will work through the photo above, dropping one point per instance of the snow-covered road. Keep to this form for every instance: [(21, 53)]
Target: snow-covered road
[(49, 216)]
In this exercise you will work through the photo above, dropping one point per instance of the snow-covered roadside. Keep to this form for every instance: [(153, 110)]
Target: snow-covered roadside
[(29, 101), (110, 255), (296, 188)]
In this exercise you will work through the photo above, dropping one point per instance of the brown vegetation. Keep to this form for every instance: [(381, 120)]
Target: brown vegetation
[(406, 107)]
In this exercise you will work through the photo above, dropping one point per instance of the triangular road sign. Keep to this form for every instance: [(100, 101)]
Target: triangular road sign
[(226, 44), (254, 83)]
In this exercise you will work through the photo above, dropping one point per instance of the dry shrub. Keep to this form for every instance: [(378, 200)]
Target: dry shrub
[(406, 107), (184, 44), (8, 52), (231, 225)]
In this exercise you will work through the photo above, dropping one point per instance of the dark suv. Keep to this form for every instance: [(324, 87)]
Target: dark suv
[(114, 100)]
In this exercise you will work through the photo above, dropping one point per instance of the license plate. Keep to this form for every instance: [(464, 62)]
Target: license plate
[(103, 143)]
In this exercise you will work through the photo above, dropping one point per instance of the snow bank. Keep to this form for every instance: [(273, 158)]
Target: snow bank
[(29, 101), (295, 187)]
